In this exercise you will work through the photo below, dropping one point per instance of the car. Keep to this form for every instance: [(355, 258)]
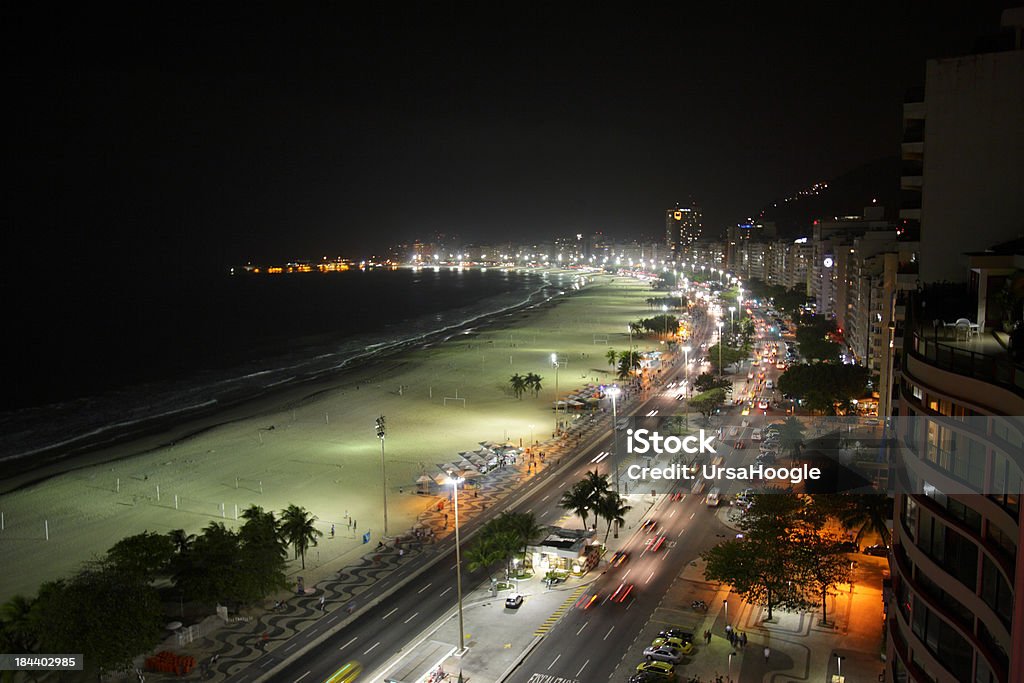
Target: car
[(769, 385), (780, 365), (876, 550), (685, 648), (663, 669), (514, 601), (649, 525), (655, 542), (647, 677), (588, 601), (762, 405), (678, 633), (740, 445), (622, 592), (847, 547), (663, 654), (755, 435), (618, 559), (760, 375)]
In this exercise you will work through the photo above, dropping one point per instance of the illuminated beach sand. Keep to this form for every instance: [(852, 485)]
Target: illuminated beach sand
[(321, 452)]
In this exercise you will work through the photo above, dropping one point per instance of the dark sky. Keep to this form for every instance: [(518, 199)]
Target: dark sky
[(199, 136)]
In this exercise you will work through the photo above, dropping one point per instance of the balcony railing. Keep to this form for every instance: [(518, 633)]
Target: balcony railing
[(999, 370)]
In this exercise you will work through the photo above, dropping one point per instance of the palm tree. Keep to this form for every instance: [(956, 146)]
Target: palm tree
[(525, 526), (578, 500), (628, 362), (863, 513), (483, 554), (791, 436), (533, 382), (298, 528), (612, 508), (598, 486), (182, 541), (16, 627), (518, 384), (612, 355)]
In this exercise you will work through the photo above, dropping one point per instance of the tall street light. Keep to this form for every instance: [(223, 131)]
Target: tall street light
[(455, 481), (686, 375), (613, 392), (732, 327), (381, 431), (554, 361), (719, 349), (664, 314)]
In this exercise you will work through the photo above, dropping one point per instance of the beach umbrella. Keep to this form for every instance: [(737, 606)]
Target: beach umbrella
[(440, 479), (487, 444), (471, 474), (423, 479)]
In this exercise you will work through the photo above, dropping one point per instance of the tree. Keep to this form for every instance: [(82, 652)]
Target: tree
[(791, 436), (147, 555), (518, 384), (822, 567), (484, 554), (110, 615), (707, 381), (532, 381), (578, 501), (628, 362), (263, 551), (612, 355), (298, 528), (729, 356), (612, 509), (814, 336), (208, 571), (17, 632), (182, 540), (861, 513), (708, 402), (822, 385)]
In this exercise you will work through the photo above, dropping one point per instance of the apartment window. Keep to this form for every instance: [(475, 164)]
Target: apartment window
[(969, 463), (943, 641), (985, 636), (983, 674), (949, 549), (916, 391), (910, 508), (1006, 483), (948, 602), (1005, 542), (995, 591)]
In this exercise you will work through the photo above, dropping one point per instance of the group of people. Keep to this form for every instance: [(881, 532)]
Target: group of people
[(735, 638)]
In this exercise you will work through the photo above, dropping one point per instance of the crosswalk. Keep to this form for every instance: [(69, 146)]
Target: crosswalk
[(562, 609)]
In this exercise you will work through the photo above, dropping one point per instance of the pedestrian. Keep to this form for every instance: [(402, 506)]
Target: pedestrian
[(743, 639), (767, 653), (446, 520), (349, 522), (401, 552), (728, 631), (332, 531), (353, 525)]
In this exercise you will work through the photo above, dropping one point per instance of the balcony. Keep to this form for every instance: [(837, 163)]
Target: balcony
[(981, 358)]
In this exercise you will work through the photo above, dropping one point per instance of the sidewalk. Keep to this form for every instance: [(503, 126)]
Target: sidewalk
[(343, 582), (497, 638)]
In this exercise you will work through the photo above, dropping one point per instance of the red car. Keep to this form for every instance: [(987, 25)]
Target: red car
[(622, 592), (655, 542)]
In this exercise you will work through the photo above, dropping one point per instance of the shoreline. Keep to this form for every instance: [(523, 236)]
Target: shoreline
[(153, 433), (440, 398)]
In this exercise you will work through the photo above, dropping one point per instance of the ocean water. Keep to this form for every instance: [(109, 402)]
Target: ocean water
[(101, 359)]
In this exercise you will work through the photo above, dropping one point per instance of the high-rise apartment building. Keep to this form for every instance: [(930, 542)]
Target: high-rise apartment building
[(683, 226), (956, 610)]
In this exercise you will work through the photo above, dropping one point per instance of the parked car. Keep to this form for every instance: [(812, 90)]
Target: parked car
[(514, 601), (663, 654), (685, 648), (876, 550), (847, 547), (663, 669), (648, 677), (685, 636)]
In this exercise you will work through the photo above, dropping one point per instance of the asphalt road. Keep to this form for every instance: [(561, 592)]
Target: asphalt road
[(584, 642)]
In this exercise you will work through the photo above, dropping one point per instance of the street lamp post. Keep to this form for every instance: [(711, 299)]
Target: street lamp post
[(719, 349), (731, 655), (732, 327), (686, 377), (554, 361), (613, 392), (455, 481), (381, 432)]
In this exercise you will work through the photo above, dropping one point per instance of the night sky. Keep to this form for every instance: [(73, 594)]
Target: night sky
[(205, 138)]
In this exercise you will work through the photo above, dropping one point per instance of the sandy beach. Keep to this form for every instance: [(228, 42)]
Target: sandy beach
[(316, 446)]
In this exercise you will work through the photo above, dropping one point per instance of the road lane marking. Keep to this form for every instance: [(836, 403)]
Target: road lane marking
[(445, 591), (349, 643), (302, 676), (582, 668), (672, 515), (627, 572), (290, 647), (609, 633), (561, 485), (411, 618), (692, 514), (582, 627), (649, 578), (553, 661), (545, 498), (680, 533), (372, 648), (389, 614), (424, 588)]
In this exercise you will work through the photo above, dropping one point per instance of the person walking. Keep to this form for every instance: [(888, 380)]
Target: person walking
[(323, 605), (767, 654), (332, 531)]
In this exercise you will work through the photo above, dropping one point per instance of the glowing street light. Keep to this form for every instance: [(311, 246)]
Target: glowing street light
[(381, 433), (732, 328), (719, 323), (554, 362), (686, 376), (455, 481), (613, 392)]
